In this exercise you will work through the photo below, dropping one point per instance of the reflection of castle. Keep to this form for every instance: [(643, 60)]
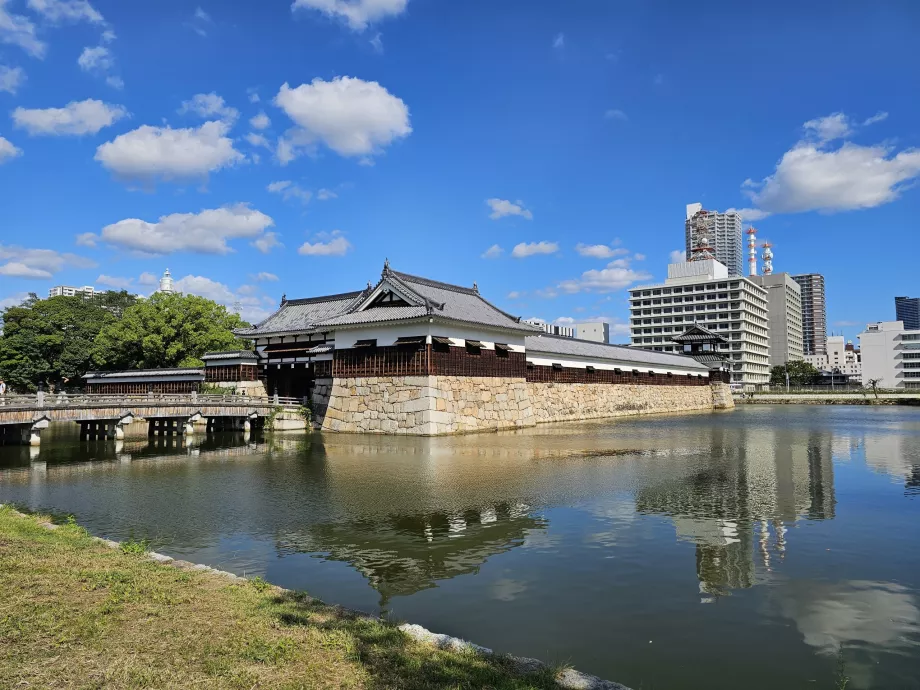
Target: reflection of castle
[(404, 554), (736, 504)]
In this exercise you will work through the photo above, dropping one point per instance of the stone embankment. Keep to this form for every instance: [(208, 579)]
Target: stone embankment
[(828, 399), (568, 678)]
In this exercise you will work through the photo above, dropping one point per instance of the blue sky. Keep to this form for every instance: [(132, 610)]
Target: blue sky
[(543, 149)]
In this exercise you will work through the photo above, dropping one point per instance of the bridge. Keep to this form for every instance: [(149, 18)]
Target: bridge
[(23, 417)]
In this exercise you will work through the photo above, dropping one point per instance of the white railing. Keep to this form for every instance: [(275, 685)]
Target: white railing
[(43, 400)]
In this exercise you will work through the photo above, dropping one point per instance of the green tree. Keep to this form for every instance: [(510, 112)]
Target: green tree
[(50, 341), (115, 301), (801, 373), (166, 330)]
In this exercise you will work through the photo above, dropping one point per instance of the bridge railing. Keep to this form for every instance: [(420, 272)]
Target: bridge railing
[(57, 400)]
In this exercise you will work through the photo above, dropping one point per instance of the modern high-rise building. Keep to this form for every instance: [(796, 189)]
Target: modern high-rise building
[(784, 299), (907, 310), (814, 313), (86, 292), (890, 355), (725, 237), (703, 292), (552, 329)]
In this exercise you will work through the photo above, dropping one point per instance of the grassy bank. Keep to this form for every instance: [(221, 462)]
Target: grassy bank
[(75, 613)]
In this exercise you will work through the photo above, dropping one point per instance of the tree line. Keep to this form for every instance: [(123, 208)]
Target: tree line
[(52, 342)]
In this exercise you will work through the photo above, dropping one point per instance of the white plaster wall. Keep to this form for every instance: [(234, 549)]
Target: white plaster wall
[(541, 359), (387, 335)]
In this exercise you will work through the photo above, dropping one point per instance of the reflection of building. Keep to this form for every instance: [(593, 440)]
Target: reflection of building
[(403, 554)]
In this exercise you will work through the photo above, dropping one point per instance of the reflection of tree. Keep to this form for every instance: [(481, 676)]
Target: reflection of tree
[(404, 554)]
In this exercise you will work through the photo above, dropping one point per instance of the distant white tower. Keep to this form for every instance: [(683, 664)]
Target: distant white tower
[(166, 282), (752, 251)]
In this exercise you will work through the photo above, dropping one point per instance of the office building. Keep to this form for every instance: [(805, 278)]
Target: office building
[(907, 310), (814, 313), (596, 332), (703, 292), (552, 329), (86, 292), (725, 237), (841, 356), (784, 305), (890, 355)]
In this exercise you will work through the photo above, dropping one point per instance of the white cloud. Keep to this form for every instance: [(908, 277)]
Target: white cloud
[(267, 242), (878, 117), (163, 152), (17, 30), (206, 232), (493, 252), (11, 78), (289, 190), (265, 276), (615, 114), (600, 251), (525, 249), (8, 151), (97, 58), (326, 194), (617, 275), (515, 294), (66, 10), (377, 44), (76, 118), (559, 41), (107, 36), (336, 246), (13, 300), (258, 140), (750, 215), (210, 105), (117, 282), (241, 299), (503, 207), (147, 278), (678, 256), (22, 262), (350, 116), (115, 82), (639, 257), (87, 239), (834, 126), (260, 121), (358, 14), (202, 15), (253, 95)]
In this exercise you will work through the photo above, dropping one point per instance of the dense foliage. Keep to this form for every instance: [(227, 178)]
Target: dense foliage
[(166, 330), (53, 342), (801, 373)]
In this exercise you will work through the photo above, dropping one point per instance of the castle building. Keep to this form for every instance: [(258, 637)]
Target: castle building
[(417, 356)]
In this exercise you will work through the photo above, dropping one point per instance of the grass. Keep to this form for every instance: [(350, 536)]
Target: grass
[(77, 614)]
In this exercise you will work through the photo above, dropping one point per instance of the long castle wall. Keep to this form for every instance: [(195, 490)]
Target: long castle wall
[(436, 405)]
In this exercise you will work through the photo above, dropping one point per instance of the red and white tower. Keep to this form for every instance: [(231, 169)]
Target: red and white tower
[(752, 250), (699, 237), (767, 257)]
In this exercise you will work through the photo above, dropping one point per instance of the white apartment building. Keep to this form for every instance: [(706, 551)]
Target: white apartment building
[(595, 332), (725, 237), (65, 290), (552, 329), (841, 356), (784, 305), (891, 355), (703, 292)]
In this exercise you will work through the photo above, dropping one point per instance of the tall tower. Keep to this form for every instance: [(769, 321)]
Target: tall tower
[(166, 282), (752, 250), (726, 237), (767, 257), (814, 313)]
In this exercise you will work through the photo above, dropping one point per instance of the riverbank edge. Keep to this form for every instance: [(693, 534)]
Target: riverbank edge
[(828, 400), (567, 678)]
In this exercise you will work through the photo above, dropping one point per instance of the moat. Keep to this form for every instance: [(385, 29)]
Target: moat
[(767, 547)]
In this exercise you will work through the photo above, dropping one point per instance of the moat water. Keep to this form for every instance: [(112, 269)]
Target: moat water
[(769, 547)]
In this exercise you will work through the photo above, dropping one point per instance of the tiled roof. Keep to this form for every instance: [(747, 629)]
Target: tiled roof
[(556, 345), (233, 354), (302, 314), (697, 333), (376, 315), (144, 373)]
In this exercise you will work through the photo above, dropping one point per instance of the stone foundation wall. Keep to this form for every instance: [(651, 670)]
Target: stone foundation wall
[(253, 388), (422, 405), (722, 396), (566, 402)]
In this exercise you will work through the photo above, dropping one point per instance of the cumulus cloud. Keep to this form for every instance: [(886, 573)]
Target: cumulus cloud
[(289, 190), (678, 256), (357, 14), (77, 118), (22, 262), (18, 30), (600, 251), (260, 121), (878, 117), (352, 117), (97, 58), (66, 10), (525, 249), (241, 299), (493, 252), (8, 151), (515, 294), (334, 245), (265, 276), (617, 275), (822, 173), (206, 232), (750, 215), (11, 78), (148, 278), (148, 152), (209, 105), (258, 140), (267, 242), (117, 282), (377, 43), (503, 207)]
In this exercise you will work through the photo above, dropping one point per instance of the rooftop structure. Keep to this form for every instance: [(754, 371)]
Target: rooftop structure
[(890, 355), (907, 310), (703, 292), (724, 236), (140, 381), (814, 313), (551, 328), (598, 332)]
